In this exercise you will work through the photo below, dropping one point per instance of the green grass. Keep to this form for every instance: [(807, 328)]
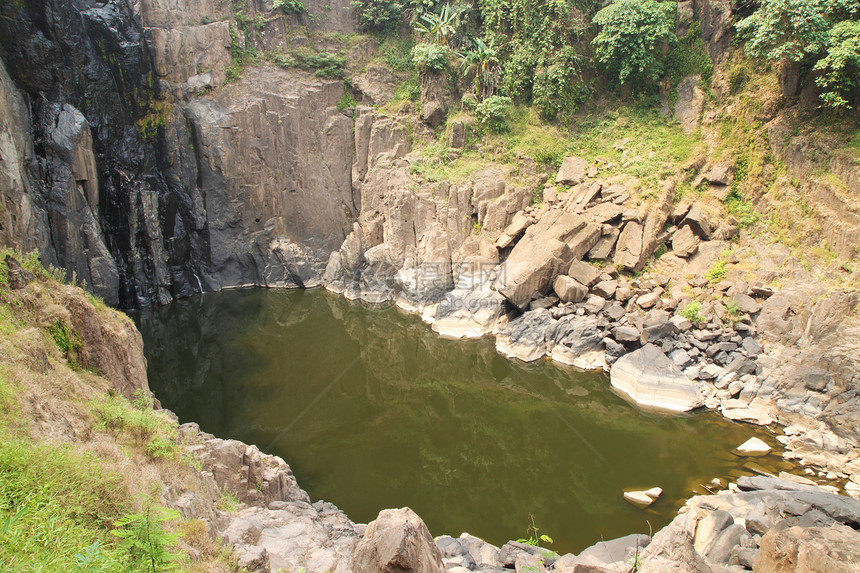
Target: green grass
[(654, 146), (153, 434), (56, 510)]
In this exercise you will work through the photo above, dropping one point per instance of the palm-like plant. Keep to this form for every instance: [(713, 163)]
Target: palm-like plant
[(483, 61), (440, 27)]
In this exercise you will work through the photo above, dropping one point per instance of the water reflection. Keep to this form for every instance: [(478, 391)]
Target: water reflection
[(373, 410)]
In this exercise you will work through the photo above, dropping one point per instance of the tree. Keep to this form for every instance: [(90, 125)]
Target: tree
[(381, 16), (786, 29), (841, 64), (631, 33)]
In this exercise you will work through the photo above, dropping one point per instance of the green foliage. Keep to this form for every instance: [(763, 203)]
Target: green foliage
[(409, 90), (397, 54), (427, 56), (323, 64), (793, 29), (346, 101), (716, 272), (441, 27), (732, 309), (379, 16), (691, 312), (482, 61), (153, 433), (840, 66), (519, 70), (55, 511), (289, 6), (555, 91), (533, 535), (493, 112), (687, 58), (533, 35), (228, 502), (67, 340), (631, 34), (143, 537)]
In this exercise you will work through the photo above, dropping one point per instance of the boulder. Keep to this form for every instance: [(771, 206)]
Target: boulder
[(698, 222), (643, 498), (685, 242), (584, 273), (512, 232), (754, 446), (546, 250), (18, 276), (609, 552), (397, 541), (628, 249), (834, 549), (606, 289), (568, 289), (577, 340), (602, 249), (573, 170), (652, 380), (746, 303)]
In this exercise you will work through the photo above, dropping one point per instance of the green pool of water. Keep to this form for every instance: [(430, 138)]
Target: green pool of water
[(372, 410)]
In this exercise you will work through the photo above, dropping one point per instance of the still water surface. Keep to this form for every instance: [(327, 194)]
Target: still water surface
[(373, 410)]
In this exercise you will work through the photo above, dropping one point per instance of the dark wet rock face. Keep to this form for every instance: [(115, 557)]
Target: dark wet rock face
[(123, 172), (86, 84)]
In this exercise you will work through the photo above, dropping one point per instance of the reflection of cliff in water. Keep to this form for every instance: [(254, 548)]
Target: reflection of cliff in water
[(373, 410)]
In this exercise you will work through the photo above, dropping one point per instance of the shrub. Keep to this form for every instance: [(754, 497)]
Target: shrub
[(717, 272), (691, 312), (794, 29), (143, 536), (493, 113), (840, 66), (289, 6), (430, 56), (631, 33), (381, 16)]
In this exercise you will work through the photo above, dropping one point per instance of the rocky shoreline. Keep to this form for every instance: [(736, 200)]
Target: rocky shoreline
[(765, 523)]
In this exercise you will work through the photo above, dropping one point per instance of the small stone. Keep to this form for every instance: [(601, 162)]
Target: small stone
[(681, 358), (639, 498), (754, 446), (606, 289), (625, 334), (594, 304), (735, 388), (709, 372), (746, 303), (584, 273), (752, 347), (648, 300), (685, 242), (568, 289)]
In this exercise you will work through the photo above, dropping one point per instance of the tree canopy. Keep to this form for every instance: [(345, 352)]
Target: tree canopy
[(631, 33)]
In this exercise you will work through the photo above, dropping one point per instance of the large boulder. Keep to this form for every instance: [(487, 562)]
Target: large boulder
[(573, 170), (685, 242), (651, 379), (397, 541), (834, 549), (545, 251), (628, 250)]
